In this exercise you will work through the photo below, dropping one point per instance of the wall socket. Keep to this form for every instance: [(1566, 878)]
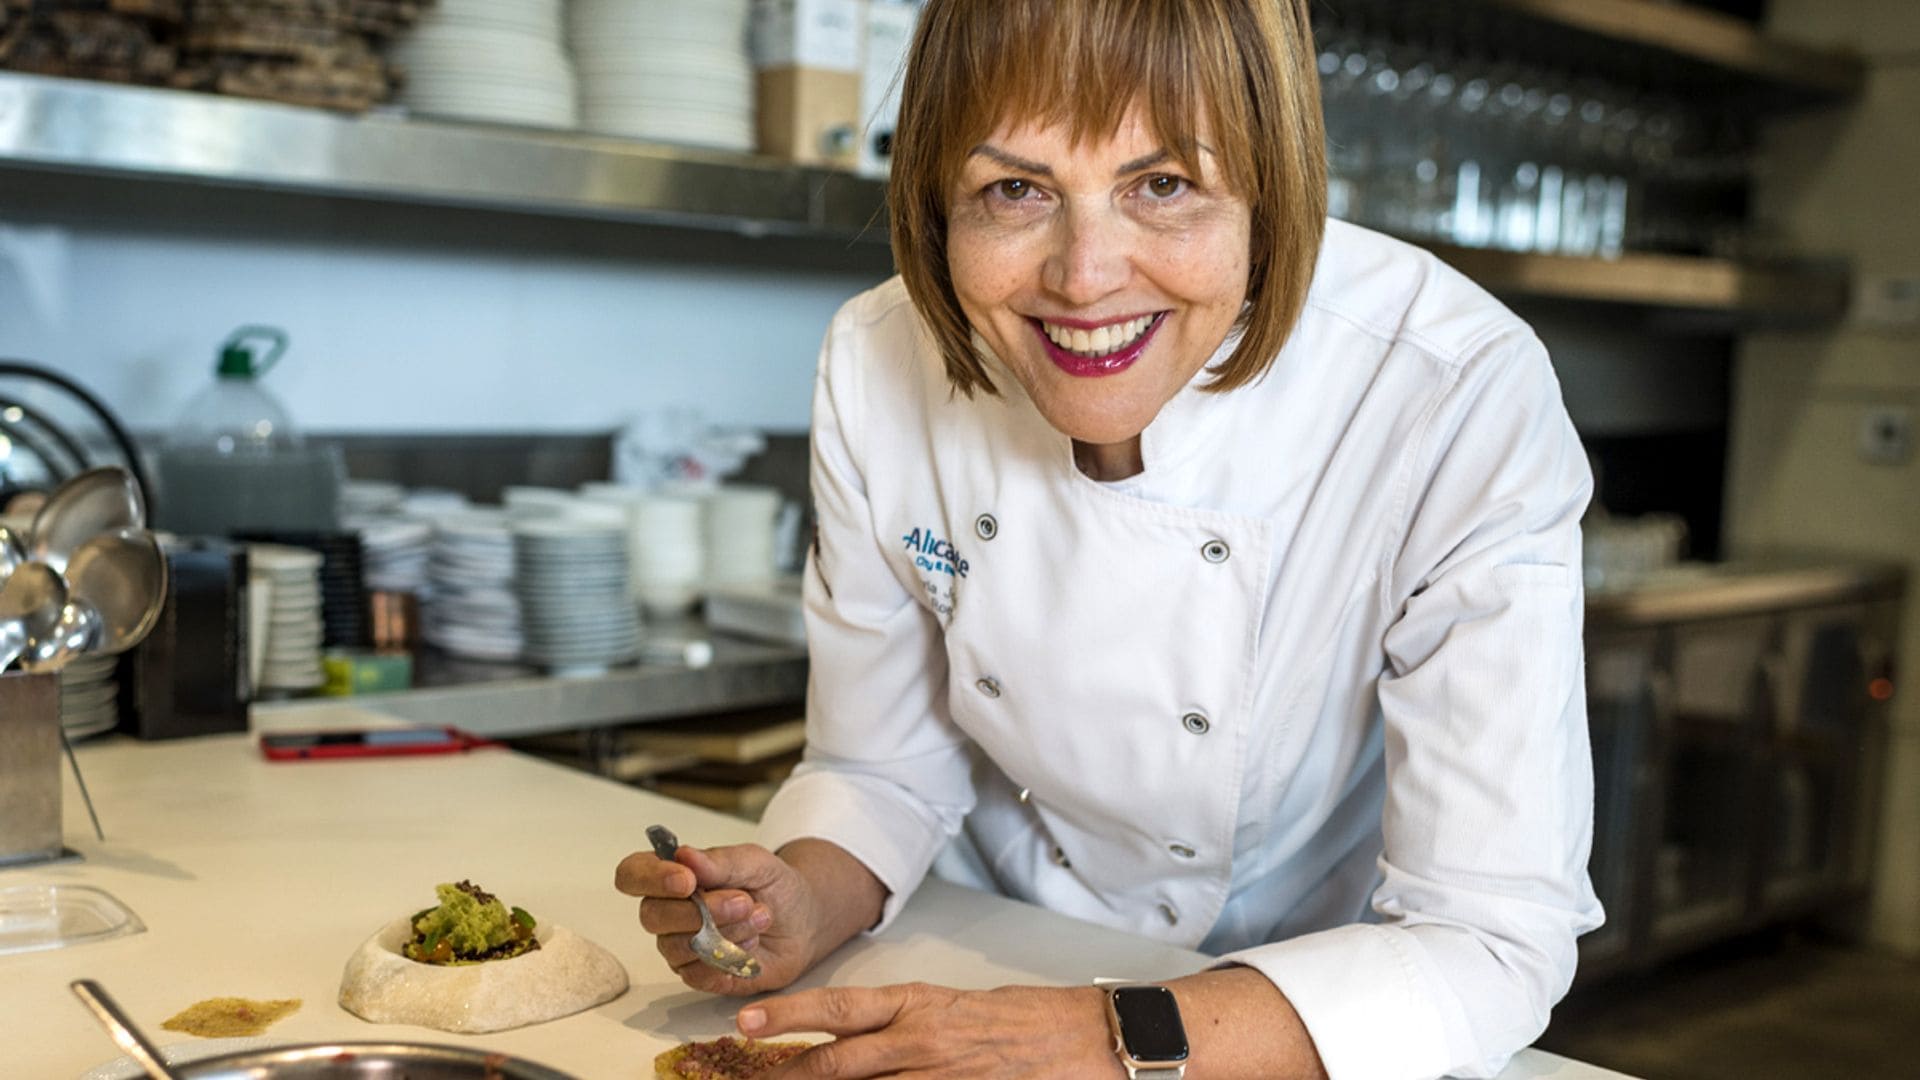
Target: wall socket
[(1886, 435)]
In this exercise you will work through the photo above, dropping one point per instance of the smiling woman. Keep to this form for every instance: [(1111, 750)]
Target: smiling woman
[(1214, 88), (1266, 636)]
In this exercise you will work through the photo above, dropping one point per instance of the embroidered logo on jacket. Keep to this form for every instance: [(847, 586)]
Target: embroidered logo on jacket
[(933, 552), (940, 567)]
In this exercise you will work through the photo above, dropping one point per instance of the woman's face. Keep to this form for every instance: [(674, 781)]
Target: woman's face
[(1103, 275)]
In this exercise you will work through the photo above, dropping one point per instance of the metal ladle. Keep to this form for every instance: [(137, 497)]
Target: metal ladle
[(131, 1039), (709, 944), (93, 502)]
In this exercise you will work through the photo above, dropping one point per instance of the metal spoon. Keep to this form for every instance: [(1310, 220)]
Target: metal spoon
[(709, 944), (130, 1038), (122, 575), (31, 600), (12, 551), (92, 502), (76, 632)]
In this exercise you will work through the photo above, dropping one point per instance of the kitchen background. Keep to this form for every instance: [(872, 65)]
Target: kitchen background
[(1765, 422)]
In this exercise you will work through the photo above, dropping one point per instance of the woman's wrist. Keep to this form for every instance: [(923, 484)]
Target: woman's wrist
[(843, 896)]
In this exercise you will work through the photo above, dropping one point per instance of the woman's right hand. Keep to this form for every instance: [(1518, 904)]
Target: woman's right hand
[(758, 900)]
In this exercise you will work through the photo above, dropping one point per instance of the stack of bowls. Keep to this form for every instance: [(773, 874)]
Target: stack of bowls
[(89, 696), (471, 609), (572, 580), (499, 61), (665, 70), (740, 534), (289, 648), (670, 555)]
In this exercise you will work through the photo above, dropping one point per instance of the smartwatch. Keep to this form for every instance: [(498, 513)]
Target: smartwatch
[(1147, 1033)]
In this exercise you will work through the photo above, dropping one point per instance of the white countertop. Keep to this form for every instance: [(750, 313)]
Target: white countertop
[(213, 847)]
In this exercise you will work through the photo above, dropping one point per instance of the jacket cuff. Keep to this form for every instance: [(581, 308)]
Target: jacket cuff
[(892, 836), (1359, 991)]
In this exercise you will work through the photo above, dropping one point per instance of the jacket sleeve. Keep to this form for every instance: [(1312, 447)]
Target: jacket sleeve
[(1489, 805), (886, 774)]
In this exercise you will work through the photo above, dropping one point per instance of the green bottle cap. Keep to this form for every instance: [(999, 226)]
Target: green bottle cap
[(237, 358)]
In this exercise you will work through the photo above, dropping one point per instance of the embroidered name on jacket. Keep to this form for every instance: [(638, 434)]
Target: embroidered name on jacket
[(933, 552), (939, 565)]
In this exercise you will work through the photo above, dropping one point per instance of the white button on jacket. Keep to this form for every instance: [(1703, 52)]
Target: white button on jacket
[(1328, 642)]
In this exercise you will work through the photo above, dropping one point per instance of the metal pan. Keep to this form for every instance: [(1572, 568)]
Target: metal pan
[(365, 1061)]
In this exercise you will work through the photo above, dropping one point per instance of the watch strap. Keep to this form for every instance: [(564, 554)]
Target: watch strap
[(1138, 1072)]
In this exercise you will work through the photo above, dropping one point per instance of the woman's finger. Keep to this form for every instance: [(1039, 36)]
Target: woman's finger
[(645, 874), (836, 1010)]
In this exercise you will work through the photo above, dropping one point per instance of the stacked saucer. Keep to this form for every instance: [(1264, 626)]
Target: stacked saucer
[(572, 580), (490, 60), (89, 696), (396, 554), (471, 610), (370, 498), (290, 647), (665, 70)]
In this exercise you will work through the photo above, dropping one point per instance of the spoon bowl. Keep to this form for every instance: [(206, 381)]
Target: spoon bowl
[(12, 551), (31, 602), (76, 633), (122, 575), (93, 502)]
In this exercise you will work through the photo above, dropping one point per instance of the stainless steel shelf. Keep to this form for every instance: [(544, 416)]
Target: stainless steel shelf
[(75, 126), (1703, 36), (143, 134), (1669, 281)]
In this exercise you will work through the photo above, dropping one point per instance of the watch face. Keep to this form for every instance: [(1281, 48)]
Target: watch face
[(1150, 1023)]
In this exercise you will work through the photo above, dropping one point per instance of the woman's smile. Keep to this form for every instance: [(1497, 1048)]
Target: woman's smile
[(1079, 347)]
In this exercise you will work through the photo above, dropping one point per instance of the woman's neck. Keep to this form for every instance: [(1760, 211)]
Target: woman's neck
[(1109, 461)]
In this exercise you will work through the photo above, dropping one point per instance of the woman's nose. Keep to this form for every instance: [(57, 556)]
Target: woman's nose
[(1089, 257)]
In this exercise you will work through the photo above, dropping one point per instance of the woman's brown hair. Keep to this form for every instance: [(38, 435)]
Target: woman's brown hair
[(1244, 66)]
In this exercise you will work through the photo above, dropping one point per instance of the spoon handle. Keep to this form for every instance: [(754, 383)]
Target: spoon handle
[(85, 797), (108, 1012)]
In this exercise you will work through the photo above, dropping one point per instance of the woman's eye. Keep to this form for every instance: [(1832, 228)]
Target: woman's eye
[(1165, 187), (1011, 190)]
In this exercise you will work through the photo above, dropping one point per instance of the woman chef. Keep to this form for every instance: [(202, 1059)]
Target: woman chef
[(1186, 563)]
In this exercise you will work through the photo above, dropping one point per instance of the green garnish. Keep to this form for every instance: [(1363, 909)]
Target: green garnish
[(469, 926)]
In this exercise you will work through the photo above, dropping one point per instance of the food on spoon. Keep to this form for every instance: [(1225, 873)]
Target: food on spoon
[(472, 964), (470, 926), (726, 1058), (226, 1017)]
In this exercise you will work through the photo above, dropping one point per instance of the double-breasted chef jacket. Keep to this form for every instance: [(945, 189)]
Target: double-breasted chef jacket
[(1306, 693)]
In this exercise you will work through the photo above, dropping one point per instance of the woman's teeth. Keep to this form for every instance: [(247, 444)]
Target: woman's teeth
[(1107, 339)]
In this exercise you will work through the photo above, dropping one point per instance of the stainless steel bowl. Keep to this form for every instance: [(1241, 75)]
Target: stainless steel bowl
[(365, 1061)]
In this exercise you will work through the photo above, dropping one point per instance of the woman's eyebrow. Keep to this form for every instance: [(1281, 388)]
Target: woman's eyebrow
[(1011, 161)]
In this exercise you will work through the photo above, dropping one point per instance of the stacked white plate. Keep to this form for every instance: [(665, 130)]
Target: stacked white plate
[(572, 579), (89, 696), (492, 60), (471, 609), (664, 70), (290, 647), (394, 553), (371, 498)]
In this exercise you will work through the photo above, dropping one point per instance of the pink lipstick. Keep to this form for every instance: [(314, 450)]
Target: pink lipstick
[(1112, 363)]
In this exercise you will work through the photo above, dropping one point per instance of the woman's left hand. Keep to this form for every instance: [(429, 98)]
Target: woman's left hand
[(922, 1031)]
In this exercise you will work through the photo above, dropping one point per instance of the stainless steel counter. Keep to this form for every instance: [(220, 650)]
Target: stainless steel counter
[(1695, 591), (510, 701)]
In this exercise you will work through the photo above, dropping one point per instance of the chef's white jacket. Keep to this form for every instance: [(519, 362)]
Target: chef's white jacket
[(1306, 693)]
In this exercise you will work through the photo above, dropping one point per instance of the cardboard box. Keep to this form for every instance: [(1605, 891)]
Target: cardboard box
[(807, 86)]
